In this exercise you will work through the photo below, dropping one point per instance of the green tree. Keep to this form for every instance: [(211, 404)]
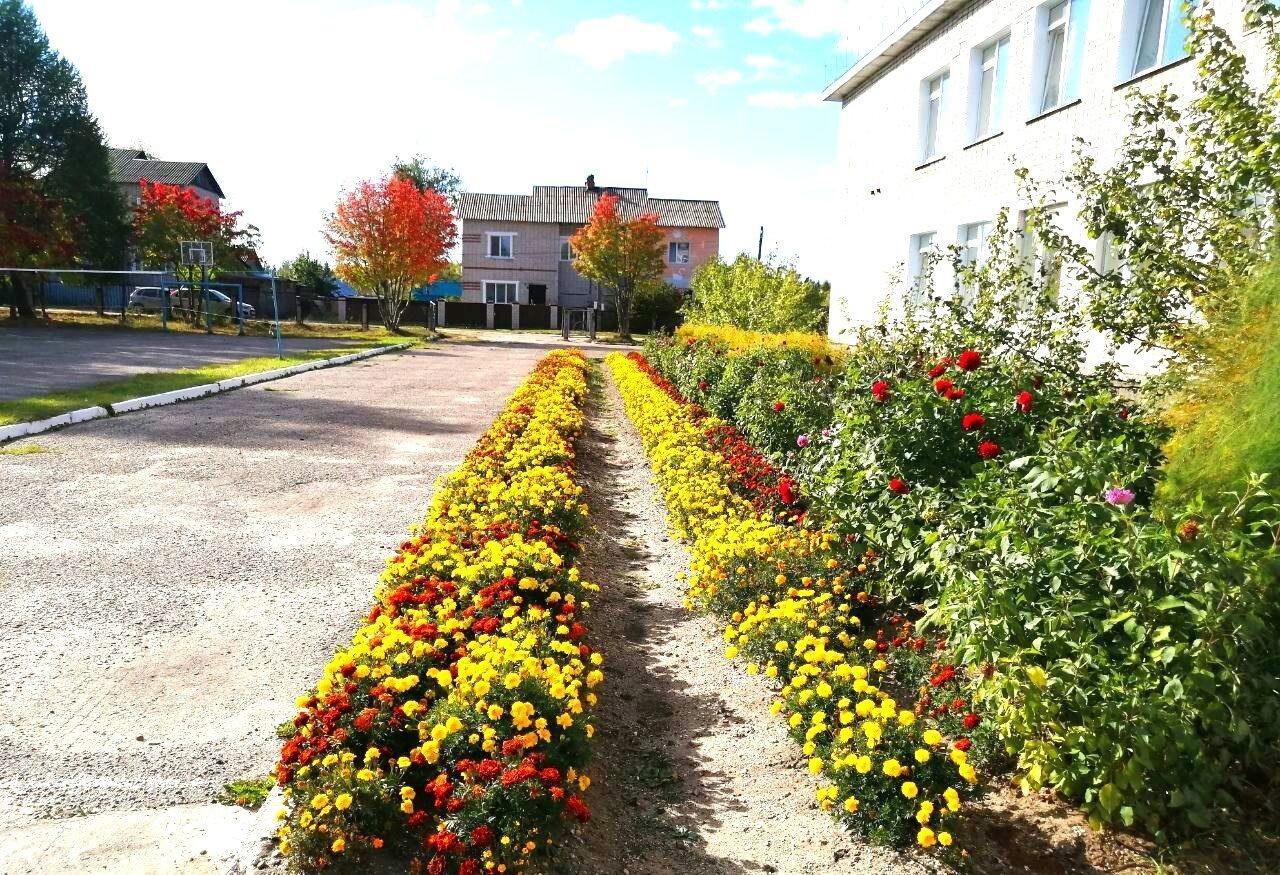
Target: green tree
[(50, 143), (428, 176), (310, 273), (757, 296)]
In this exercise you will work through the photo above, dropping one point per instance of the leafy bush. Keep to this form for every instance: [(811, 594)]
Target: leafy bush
[(757, 296)]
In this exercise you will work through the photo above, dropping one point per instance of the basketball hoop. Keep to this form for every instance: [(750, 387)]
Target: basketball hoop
[(197, 252)]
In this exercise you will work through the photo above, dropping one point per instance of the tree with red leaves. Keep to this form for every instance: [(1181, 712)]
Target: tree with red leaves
[(169, 214), (390, 237), (622, 255)]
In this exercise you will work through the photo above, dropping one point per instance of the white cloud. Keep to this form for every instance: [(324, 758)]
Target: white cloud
[(709, 5), (783, 99), (599, 42), (767, 66), (709, 36), (714, 80), (808, 18), (677, 102)]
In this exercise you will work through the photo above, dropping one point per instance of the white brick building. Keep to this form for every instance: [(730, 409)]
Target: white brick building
[(935, 117)]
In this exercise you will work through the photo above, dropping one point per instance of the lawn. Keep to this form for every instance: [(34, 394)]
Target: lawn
[(99, 394), (289, 329)]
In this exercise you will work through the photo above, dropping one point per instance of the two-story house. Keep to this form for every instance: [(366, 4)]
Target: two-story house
[(935, 117), (515, 247), (130, 166)]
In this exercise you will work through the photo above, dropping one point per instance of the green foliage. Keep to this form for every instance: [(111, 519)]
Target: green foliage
[(311, 273), (248, 793), (757, 296), (657, 308), (428, 176), (1227, 419)]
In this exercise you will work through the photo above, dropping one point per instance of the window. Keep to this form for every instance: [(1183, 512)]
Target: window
[(1045, 263), (1061, 54), (920, 264), (1056, 45), (991, 64), (501, 292), (501, 245), (973, 242), (1161, 35), (935, 90), (566, 249), (678, 252)]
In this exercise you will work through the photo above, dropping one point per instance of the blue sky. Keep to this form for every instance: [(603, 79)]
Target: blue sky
[(289, 100)]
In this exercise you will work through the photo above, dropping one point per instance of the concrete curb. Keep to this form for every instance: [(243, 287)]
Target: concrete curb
[(62, 420), (260, 840)]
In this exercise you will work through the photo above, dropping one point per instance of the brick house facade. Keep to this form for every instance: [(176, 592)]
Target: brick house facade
[(515, 248)]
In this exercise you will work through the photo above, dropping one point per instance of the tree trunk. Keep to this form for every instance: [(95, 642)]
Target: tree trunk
[(23, 298), (622, 303)]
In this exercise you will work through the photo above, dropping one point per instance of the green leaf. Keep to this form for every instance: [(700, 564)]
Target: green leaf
[(1109, 797)]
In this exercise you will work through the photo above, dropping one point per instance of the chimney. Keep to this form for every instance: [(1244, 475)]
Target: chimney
[(591, 182)]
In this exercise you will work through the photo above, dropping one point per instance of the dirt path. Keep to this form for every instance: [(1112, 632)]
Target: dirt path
[(692, 773)]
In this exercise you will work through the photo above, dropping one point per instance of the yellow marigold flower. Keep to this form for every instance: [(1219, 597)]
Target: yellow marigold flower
[(952, 798), (342, 802), (910, 790), (925, 838), (851, 805), (932, 737), (892, 768), (922, 755), (320, 800), (730, 652), (339, 845), (565, 721), (944, 839), (815, 765), (879, 665)]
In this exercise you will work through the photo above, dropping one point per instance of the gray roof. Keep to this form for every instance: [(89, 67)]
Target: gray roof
[(572, 205), (130, 165)]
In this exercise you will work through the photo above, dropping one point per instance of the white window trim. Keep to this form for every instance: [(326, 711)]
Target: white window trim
[(488, 246), (1040, 67), (1131, 38), (978, 67), (564, 241), (688, 251), (484, 291), (940, 80), (916, 260)]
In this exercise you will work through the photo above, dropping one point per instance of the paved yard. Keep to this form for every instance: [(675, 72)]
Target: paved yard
[(171, 580), (36, 361)]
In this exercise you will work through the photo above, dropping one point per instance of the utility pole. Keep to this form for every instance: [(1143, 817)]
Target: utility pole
[(760, 246)]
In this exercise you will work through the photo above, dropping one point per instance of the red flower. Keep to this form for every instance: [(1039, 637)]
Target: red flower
[(989, 449), (481, 836), (880, 391), (942, 385), (954, 394), (898, 486), (1124, 413), (1024, 401), (973, 421), (940, 368), (971, 721), (702, 385), (786, 490), (969, 360), (778, 407), (577, 808), (963, 744)]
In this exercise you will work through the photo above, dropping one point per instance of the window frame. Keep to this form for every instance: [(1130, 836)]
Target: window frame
[(1170, 15), (490, 236), (513, 298), (671, 249), (917, 260), (1047, 37), (995, 115), (933, 147)]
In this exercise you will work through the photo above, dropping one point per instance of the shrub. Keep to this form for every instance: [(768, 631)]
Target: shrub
[(452, 728)]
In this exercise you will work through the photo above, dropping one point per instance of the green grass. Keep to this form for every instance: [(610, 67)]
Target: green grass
[(247, 792), (24, 450), (101, 394), (288, 329)]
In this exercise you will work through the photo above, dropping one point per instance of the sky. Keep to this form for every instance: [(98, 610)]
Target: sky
[(289, 101)]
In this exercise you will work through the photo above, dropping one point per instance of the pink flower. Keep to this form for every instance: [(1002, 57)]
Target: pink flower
[(802, 441), (1118, 496)]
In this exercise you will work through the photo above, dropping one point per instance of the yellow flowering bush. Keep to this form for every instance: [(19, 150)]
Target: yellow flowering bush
[(796, 611), (738, 341), (452, 730)]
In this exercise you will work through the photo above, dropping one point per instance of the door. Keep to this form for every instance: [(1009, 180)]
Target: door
[(537, 295)]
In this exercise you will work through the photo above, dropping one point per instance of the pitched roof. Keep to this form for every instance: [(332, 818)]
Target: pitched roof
[(927, 17), (572, 205), (130, 165)]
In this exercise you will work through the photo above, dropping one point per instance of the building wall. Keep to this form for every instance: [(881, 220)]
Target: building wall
[(535, 258), (887, 197), (130, 192)]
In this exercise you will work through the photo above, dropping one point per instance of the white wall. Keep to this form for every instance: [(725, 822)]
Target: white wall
[(880, 138)]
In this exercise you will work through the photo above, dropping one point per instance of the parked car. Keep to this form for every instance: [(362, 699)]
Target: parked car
[(146, 299), (219, 304)]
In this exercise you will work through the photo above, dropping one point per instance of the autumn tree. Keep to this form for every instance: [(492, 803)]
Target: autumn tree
[(623, 255), (60, 205), (169, 214), (390, 237), (428, 176)]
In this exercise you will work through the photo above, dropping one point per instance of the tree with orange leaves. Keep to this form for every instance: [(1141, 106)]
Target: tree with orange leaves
[(622, 255), (389, 238)]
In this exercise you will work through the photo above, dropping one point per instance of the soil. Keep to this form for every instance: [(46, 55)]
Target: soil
[(692, 774)]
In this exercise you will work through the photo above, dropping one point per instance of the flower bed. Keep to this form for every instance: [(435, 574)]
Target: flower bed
[(452, 729), (796, 606)]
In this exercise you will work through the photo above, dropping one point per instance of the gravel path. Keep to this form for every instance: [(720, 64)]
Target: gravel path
[(693, 775), (171, 580)]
